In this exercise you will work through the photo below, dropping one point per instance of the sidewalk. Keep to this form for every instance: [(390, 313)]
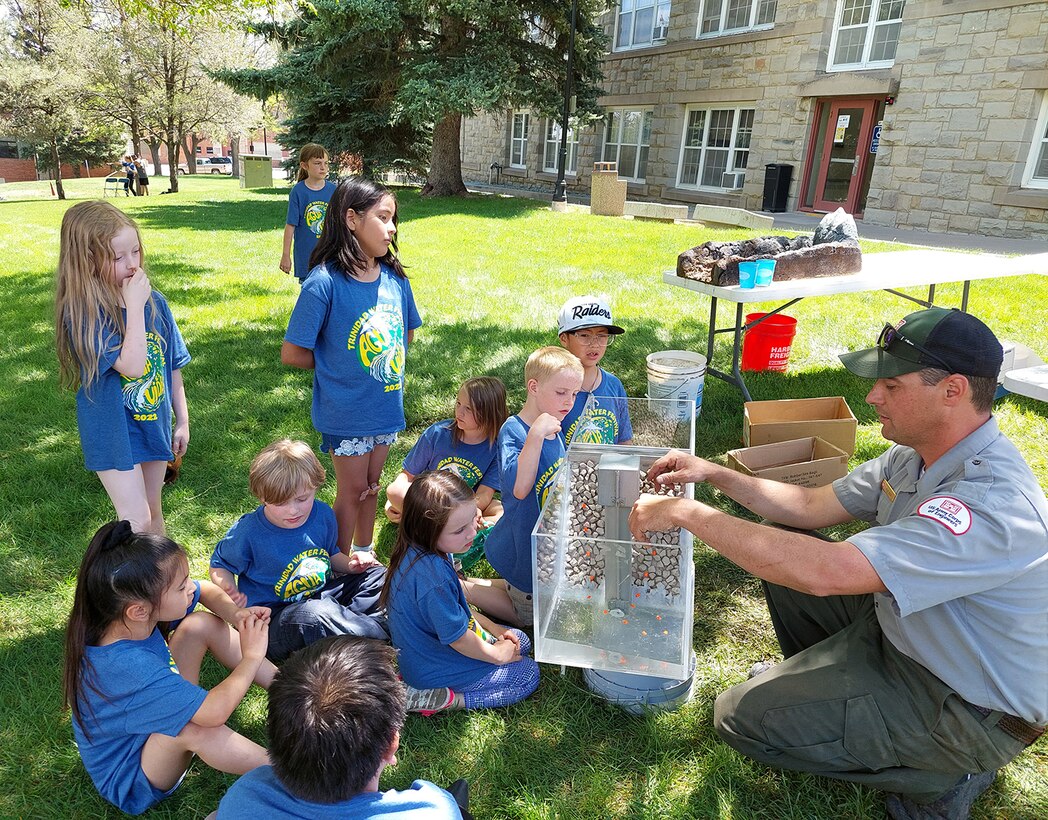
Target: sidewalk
[(795, 221)]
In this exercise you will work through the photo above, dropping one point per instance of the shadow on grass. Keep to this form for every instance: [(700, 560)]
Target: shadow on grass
[(268, 210)]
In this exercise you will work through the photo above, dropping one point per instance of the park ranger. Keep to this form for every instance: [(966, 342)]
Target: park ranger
[(916, 650)]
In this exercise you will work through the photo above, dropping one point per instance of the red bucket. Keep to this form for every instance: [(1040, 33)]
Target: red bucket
[(767, 345)]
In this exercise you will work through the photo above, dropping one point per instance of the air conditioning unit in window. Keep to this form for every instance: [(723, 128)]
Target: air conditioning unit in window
[(659, 33), (733, 180)]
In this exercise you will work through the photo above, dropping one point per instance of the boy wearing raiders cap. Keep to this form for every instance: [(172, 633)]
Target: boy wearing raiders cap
[(917, 650), (586, 329)]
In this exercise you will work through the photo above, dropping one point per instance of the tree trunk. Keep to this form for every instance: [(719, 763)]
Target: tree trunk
[(190, 153), (170, 137), (154, 149), (56, 160), (445, 163), (172, 158), (234, 154), (136, 131)]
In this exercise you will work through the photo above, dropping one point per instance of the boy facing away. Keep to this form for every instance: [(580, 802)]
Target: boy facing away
[(586, 329), (281, 556), (335, 713), (531, 450)]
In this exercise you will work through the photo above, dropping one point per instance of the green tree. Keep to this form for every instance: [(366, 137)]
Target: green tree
[(391, 81), (42, 75), (84, 148)]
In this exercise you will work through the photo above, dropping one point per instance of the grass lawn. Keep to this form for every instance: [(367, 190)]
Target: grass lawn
[(489, 275)]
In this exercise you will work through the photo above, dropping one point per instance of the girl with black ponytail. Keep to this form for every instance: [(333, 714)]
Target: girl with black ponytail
[(137, 721)]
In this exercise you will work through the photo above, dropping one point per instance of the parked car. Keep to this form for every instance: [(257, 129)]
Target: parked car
[(221, 165), (209, 165)]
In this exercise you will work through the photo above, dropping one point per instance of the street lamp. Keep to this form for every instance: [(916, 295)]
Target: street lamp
[(560, 193)]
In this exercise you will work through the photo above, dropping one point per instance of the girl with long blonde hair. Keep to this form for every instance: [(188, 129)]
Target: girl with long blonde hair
[(118, 344)]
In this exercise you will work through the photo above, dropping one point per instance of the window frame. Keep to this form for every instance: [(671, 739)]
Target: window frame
[(523, 139), (733, 147), (864, 64), (752, 25), (655, 6), (1038, 146), (647, 116), (572, 159)]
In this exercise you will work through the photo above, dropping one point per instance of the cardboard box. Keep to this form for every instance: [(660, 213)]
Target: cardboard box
[(809, 462), (829, 418)]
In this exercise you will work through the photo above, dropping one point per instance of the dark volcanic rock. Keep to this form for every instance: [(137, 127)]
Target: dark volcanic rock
[(718, 262)]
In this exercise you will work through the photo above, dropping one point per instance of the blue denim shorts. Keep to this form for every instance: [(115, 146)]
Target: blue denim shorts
[(354, 445)]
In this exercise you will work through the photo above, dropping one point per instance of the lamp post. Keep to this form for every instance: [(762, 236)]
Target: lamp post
[(560, 192)]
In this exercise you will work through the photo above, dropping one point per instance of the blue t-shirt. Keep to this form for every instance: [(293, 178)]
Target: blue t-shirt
[(275, 565), (140, 693), (608, 422), (124, 422), (358, 334), (427, 612), (260, 794), (508, 545), (475, 464), (306, 210)]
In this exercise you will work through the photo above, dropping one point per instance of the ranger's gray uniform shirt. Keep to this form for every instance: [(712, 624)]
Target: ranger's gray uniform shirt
[(963, 551)]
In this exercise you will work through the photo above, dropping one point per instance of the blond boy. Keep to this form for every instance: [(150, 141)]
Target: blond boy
[(282, 555), (531, 450)]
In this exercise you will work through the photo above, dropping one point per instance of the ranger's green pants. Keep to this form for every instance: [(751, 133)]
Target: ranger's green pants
[(846, 704)]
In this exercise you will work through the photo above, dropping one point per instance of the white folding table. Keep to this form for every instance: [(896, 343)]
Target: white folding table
[(880, 271)]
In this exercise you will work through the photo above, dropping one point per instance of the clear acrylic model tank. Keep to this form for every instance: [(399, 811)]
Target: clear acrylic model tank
[(602, 600)]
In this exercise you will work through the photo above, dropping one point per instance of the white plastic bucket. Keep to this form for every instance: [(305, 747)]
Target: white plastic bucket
[(677, 375)]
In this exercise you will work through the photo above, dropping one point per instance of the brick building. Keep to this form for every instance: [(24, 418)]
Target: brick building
[(925, 115)]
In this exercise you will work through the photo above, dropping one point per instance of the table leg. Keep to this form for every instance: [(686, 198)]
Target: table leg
[(735, 376), (712, 332), (735, 354)]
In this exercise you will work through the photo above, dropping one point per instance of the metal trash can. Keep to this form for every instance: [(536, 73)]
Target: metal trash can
[(776, 187)]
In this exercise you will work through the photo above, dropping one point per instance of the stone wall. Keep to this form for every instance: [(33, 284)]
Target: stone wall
[(968, 81), (955, 144)]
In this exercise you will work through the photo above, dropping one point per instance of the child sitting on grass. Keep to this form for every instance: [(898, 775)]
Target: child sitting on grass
[(440, 641), (138, 714), (464, 445), (531, 450), (335, 713), (281, 556)]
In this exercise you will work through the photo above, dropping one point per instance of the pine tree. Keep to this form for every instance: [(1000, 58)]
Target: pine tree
[(391, 81)]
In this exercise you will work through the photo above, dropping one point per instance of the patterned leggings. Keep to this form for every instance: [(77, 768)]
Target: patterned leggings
[(505, 684)]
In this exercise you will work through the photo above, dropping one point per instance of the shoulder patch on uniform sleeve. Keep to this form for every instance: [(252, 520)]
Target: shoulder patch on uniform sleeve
[(951, 513)]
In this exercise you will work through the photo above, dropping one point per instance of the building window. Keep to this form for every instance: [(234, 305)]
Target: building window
[(730, 16), (715, 147), (518, 142), (552, 149), (626, 138), (1036, 175), (865, 34), (641, 23), (8, 149)]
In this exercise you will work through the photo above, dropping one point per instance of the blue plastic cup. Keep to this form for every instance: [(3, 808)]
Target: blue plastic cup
[(765, 272), (747, 274)]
